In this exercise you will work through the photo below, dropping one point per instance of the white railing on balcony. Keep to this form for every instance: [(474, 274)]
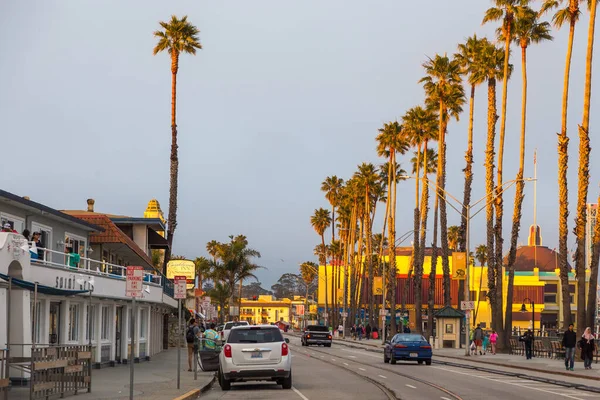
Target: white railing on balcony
[(90, 266)]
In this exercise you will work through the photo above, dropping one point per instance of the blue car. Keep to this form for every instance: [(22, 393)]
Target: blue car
[(407, 346)]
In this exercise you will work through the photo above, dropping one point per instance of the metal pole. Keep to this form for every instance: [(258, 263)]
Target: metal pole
[(132, 351), (34, 320), (179, 345), (467, 279), (345, 315), (90, 340), (533, 317), (6, 371), (382, 316)]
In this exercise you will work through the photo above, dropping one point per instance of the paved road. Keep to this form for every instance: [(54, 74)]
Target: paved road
[(459, 382)]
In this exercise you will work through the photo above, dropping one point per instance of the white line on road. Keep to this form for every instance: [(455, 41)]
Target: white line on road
[(333, 359), (321, 356), (362, 369), (384, 377), (444, 398), (346, 364), (411, 386), (303, 397), (352, 356)]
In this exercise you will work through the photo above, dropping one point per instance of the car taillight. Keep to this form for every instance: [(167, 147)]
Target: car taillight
[(328, 336), (284, 349), (400, 346), (227, 351), (426, 347)]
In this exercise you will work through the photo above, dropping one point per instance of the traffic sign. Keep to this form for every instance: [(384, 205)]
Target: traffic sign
[(180, 286), (325, 315), (134, 282), (467, 305), (344, 314)]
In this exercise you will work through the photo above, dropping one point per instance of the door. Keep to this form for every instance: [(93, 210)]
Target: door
[(54, 323), (119, 329)]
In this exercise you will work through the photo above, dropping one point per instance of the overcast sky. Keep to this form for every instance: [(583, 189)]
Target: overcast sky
[(282, 95)]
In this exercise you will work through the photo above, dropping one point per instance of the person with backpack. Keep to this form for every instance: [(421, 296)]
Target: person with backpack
[(192, 333)]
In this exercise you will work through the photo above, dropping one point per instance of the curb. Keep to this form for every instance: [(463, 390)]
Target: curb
[(195, 393)]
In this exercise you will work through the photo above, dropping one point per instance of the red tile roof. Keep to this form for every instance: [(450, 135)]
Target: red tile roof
[(111, 234)]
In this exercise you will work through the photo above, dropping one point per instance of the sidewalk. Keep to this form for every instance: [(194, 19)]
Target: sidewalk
[(154, 380), (537, 364)]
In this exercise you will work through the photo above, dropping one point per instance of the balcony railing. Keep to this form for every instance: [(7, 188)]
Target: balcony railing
[(95, 267)]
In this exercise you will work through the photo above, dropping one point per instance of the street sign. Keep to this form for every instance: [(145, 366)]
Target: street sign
[(383, 313), (467, 305), (344, 314), (134, 282), (180, 286), (325, 315)]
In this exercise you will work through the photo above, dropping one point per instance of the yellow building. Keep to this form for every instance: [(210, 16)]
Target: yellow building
[(266, 310), (536, 281)]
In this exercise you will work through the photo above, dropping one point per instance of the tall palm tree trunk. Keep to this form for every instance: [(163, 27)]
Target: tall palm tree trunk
[(478, 296), (441, 184), (361, 269), (593, 288), (369, 243), (499, 196), (492, 118), (415, 247), (421, 249), (516, 223), (392, 243), (468, 175), (432, 273), (174, 169), (584, 176), (563, 190), (324, 261)]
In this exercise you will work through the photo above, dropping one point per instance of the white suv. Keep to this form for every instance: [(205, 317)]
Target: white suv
[(255, 353), (229, 325)]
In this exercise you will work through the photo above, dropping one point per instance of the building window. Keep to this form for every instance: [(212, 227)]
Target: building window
[(73, 328), (78, 244), (143, 323), (105, 323), (90, 323), (550, 298), (45, 238), (18, 224)]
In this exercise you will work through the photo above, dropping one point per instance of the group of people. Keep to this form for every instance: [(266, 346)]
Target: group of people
[(198, 336), (34, 241), (359, 331), (586, 344), (481, 341)]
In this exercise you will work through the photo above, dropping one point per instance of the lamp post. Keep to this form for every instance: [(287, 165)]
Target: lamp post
[(524, 309), (468, 216)]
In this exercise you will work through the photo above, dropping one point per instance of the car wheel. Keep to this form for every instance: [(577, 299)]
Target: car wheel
[(428, 362), (392, 359), (420, 362), (287, 382), (224, 383), (386, 359), (328, 345)]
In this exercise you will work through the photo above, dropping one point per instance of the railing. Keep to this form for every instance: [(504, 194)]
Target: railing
[(95, 267)]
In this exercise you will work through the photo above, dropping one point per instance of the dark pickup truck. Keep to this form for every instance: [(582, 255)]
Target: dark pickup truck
[(316, 334)]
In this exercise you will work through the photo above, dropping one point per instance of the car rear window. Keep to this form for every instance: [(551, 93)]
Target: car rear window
[(317, 328), (230, 325), (255, 335), (409, 338)]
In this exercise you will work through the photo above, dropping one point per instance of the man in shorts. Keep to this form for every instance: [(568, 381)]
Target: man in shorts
[(191, 336)]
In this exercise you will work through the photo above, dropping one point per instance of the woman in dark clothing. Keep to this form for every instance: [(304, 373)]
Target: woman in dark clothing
[(587, 346), (528, 339), (368, 331)]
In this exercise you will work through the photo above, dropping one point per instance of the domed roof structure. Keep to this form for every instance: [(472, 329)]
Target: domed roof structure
[(532, 256)]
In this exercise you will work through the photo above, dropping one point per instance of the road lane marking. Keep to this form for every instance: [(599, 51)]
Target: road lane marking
[(384, 377), (333, 359), (346, 364), (362, 369), (303, 397), (352, 356), (411, 386), (444, 398)]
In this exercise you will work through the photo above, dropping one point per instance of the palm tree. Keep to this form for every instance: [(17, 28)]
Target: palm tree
[(504, 11), (320, 220), (179, 36), (568, 11), (584, 154), (468, 57), (390, 141), (212, 248), (491, 69), (481, 256), (453, 236), (527, 30), (444, 90), (308, 271), (221, 293), (203, 268), (595, 260)]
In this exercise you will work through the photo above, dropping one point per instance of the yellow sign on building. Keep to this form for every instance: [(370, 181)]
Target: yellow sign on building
[(377, 286), (182, 268), (459, 266)]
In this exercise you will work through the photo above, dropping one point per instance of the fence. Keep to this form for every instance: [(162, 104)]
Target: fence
[(60, 370)]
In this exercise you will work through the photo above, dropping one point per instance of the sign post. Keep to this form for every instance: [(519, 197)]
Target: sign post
[(180, 286), (133, 289)]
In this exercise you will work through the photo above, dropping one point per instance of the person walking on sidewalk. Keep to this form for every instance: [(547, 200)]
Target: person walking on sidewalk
[(528, 339), (368, 331), (486, 342), (587, 346), (478, 338), (569, 341), (191, 337), (493, 340)]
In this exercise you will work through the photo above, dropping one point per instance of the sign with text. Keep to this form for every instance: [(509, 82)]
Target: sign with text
[(135, 279), (467, 305), (182, 268), (180, 286), (377, 286), (459, 266)]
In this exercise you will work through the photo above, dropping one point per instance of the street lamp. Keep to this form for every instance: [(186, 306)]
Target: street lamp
[(467, 216), (524, 309)]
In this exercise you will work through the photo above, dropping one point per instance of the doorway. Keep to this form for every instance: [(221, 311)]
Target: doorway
[(118, 330), (54, 325)]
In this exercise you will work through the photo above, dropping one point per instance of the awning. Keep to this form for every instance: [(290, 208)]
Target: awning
[(42, 288), (156, 241)]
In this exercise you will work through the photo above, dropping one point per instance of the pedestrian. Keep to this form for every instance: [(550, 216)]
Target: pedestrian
[(478, 339), (569, 341), (528, 339), (493, 340), (587, 346), (210, 338), (359, 331), (486, 342), (353, 331), (340, 331), (368, 331), (191, 336)]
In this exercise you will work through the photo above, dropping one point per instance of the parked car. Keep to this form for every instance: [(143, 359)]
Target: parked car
[(316, 334), (255, 353), (407, 346), (227, 328)]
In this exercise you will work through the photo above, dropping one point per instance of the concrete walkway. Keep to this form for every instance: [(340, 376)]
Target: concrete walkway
[(154, 380)]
